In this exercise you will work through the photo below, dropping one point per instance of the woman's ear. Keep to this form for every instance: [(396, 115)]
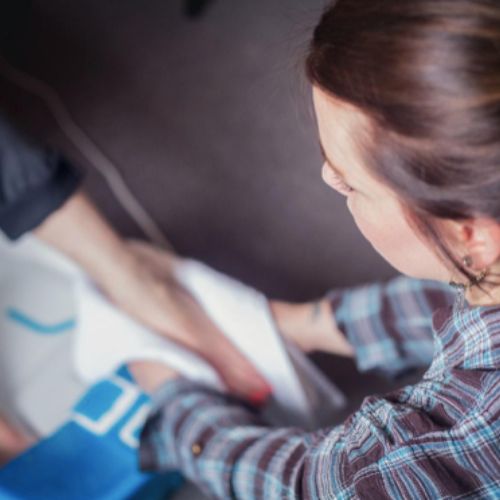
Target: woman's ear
[(478, 239)]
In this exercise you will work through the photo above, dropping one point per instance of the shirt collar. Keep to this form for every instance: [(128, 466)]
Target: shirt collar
[(467, 337)]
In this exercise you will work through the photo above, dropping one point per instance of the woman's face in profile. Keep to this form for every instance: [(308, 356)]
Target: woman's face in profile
[(374, 207)]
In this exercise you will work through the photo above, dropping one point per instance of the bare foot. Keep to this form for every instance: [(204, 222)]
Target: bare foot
[(12, 441)]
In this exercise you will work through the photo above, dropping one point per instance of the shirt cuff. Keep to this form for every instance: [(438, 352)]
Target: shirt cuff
[(36, 205), (374, 349), (393, 342), (184, 417)]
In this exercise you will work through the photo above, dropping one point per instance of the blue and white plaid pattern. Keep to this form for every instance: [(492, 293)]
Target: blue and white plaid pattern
[(438, 438), (390, 325)]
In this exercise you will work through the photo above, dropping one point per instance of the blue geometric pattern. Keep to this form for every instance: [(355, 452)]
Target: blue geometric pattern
[(94, 455)]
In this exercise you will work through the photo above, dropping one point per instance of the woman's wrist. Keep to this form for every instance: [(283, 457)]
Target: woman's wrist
[(293, 322), (311, 326)]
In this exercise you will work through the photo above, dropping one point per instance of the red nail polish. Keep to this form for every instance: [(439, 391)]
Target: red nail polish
[(259, 398)]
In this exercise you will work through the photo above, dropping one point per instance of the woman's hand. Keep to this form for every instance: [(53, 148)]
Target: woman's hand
[(146, 288), (311, 326), (139, 279)]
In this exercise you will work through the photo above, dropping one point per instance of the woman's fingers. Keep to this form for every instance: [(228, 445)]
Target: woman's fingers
[(149, 292), (236, 371)]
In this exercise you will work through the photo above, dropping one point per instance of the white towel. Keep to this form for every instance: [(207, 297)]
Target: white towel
[(107, 338)]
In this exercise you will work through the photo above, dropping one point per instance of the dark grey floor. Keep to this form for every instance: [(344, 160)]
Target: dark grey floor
[(211, 123)]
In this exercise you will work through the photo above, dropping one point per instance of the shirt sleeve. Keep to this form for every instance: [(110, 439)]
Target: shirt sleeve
[(390, 325), (389, 448), (222, 446), (34, 182)]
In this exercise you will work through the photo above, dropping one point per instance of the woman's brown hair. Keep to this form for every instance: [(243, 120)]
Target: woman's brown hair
[(427, 74)]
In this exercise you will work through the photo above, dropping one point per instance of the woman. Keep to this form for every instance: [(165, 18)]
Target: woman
[(407, 98)]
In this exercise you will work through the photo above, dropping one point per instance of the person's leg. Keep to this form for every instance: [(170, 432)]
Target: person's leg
[(12, 441)]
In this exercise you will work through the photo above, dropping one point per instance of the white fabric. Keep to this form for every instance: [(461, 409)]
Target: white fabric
[(38, 384), (107, 338), (49, 288)]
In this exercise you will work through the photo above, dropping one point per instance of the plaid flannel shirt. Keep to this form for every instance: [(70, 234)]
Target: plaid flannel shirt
[(438, 438)]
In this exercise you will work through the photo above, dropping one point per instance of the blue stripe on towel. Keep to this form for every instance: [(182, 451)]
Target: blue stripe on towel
[(38, 327)]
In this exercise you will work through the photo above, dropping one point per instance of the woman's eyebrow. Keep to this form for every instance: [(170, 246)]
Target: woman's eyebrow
[(329, 162)]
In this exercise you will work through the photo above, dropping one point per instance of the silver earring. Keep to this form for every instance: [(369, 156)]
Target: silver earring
[(467, 261)]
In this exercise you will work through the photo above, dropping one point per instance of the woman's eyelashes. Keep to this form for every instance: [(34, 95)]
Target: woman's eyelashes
[(343, 187), (335, 181)]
